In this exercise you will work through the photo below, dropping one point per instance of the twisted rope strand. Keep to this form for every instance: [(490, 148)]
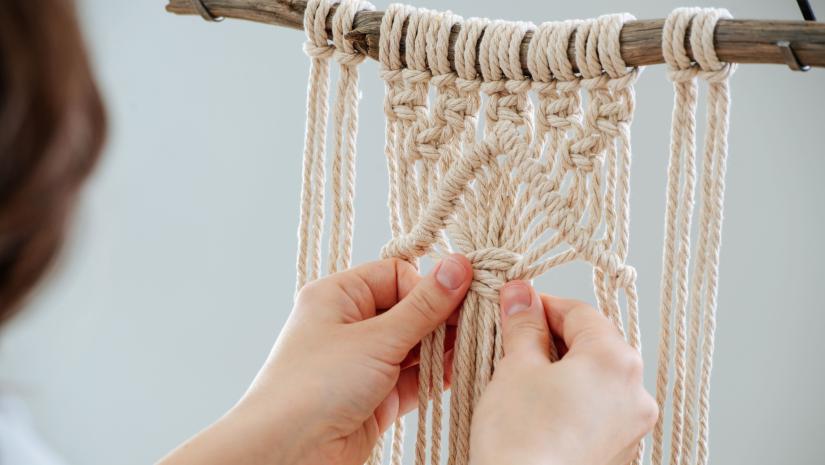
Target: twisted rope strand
[(702, 294), (319, 50)]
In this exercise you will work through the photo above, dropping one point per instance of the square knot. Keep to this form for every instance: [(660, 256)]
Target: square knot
[(490, 270), (619, 272), (349, 58), (584, 154), (683, 75), (416, 76), (314, 50)]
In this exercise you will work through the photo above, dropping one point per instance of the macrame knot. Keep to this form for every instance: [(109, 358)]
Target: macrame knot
[(720, 75), (416, 76), (623, 274), (682, 75), (465, 49), (502, 139), (608, 45), (444, 81), (559, 114), (342, 21), (702, 23), (349, 58), (490, 268), (409, 246), (595, 83), (315, 26), (508, 100), (584, 154), (319, 51), (500, 51), (468, 86)]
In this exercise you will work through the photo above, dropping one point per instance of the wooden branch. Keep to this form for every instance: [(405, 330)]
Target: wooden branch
[(737, 41)]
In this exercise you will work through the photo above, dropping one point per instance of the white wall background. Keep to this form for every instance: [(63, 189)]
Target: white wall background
[(180, 272)]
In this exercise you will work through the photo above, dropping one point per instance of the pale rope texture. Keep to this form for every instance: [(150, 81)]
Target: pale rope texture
[(694, 302), (345, 128), (545, 183)]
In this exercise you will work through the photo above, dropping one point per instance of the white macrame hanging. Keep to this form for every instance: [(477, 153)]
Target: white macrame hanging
[(545, 183)]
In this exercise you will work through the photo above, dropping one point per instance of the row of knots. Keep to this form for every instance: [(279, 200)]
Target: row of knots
[(419, 40)]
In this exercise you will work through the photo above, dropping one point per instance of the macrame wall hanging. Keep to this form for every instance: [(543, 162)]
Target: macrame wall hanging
[(510, 143), (523, 171)]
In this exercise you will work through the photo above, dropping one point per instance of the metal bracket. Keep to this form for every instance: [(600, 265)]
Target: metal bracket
[(205, 13), (790, 56)]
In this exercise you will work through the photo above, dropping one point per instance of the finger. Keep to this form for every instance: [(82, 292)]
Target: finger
[(355, 294), (387, 411), (414, 354), (454, 317), (429, 304), (525, 332), (578, 324)]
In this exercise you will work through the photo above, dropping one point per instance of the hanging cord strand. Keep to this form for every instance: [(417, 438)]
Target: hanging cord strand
[(678, 214), (717, 74), (311, 216), (345, 129), (391, 71)]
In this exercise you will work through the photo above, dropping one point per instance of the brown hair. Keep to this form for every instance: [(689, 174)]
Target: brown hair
[(52, 126)]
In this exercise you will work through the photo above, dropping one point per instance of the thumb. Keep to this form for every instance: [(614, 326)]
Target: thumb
[(525, 330), (429, 304)]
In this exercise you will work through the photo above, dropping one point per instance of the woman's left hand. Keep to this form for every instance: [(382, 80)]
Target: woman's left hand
[(342, 370)]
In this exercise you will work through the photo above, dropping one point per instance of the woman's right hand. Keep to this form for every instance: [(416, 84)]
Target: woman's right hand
[(590, 407)]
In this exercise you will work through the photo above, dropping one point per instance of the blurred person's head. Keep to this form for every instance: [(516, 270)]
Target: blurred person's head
[(52, 126)]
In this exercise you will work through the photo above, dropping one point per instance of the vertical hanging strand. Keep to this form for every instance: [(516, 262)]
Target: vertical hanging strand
[(345, 127), (594, 81), (389, 56), (434, 142), (620, 115), (319, 50), (509, 111), (448, 152), (677, 220), (419, 53), (413, 188), (622, 94), (392, 25), (469, 36), (705, 276)]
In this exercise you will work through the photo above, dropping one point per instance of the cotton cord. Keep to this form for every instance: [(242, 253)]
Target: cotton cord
[(320, 51), (694, 302), (345, 127), (501, 195), (522, 173)]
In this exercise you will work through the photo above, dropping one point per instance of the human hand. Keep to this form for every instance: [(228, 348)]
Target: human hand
[(343, 369), (590, 407)]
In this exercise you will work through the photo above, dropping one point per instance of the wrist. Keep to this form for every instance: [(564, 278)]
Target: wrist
[(272, 432)]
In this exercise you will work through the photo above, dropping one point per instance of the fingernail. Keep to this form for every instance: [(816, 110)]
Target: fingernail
[(450, 274), (515, 298)]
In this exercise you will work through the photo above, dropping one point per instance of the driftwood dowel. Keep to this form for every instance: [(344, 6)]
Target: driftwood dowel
[(737, 41)]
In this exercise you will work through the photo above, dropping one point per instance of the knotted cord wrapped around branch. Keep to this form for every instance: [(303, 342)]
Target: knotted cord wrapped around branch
[(545, 183)]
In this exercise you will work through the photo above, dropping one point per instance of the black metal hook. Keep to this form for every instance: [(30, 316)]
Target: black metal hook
[(807, 11), (205, 13)]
